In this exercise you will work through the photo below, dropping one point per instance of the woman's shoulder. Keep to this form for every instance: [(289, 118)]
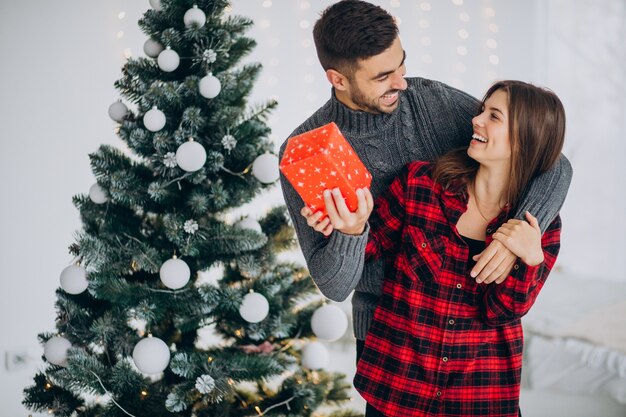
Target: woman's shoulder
[(419, 170)]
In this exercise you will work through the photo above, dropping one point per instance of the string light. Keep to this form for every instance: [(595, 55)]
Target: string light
[(425, 6), (121, 15), (144, 394), (258, 410), (210, 359), (304, 24), (267, 3), (394, 3), (457, 2), (48, 386), (464, 17)]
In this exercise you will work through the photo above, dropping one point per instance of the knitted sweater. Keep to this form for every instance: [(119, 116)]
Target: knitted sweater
[(432, 118)]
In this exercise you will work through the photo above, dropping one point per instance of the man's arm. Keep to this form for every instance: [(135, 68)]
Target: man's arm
[(546, 193), (335, 262)]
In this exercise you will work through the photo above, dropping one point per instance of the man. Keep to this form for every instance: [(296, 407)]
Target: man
[(389, 120)]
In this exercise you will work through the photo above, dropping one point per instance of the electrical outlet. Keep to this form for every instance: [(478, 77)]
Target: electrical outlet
[(14, 360)]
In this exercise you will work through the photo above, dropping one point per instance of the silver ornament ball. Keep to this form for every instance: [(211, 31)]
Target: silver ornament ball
[(329, 322), (74, 279), (315, 356), (175, 273), (254, 307), (151, 355), (250, 224), (97, 194), (265, 168), (156, 5), (55, 350), (168, 60), (190, 156), (117, 111), (154, 120), (209, 86), (152, 48), (194, 16)]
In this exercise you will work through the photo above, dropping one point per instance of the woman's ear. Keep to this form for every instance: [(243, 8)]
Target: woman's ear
[(337, 80)]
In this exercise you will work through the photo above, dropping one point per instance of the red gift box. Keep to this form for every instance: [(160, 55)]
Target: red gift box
[(322, 159)]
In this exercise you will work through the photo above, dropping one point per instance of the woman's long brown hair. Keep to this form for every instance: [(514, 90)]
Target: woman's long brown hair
[(536, 132)]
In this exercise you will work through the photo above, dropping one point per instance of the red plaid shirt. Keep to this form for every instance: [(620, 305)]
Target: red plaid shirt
[(440, 344)]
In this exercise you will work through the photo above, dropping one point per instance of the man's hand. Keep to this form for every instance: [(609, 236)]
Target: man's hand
[(341, 217), (522, 238), (313, 220)]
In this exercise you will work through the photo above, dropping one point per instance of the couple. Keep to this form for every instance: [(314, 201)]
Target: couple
[(451, 258)]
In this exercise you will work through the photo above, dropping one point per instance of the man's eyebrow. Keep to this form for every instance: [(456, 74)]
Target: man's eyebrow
[(382, 74)]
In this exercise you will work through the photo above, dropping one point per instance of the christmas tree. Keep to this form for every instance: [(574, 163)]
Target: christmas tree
[(136, 300)]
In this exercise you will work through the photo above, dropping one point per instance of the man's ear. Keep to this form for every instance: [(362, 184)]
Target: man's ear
[(337, 80)]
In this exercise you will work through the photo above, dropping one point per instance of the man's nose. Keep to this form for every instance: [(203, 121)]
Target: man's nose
[(399, 83)]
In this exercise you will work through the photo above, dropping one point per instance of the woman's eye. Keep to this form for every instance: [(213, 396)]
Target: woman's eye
[(493, 116)]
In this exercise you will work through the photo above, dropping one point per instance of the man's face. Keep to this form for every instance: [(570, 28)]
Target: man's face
[(375, 85)]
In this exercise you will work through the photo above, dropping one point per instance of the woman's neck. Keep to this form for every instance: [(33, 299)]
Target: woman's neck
[(489, 189)]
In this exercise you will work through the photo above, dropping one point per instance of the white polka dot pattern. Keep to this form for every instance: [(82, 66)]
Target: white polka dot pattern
[(322, 159)]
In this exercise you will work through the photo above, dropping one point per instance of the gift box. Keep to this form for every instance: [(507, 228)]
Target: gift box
[(322, 159)]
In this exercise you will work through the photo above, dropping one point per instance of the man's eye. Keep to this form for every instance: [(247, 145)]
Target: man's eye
[(383, 78)]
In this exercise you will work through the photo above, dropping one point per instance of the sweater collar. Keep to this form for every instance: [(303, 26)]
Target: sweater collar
[(357, 122)]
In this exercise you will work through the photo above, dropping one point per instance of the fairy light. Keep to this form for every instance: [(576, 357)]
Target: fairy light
[(305, 24), (425, 6), (491, 43), (267, 3), (464, 17), (457, 2), (258, 410), (394, 3), (209, 359), (463, 34), (144, 394), (48, 386), (128, 53), (305, 5), (121, 15)]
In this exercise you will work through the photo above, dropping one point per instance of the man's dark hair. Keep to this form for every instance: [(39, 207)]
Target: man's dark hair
[(351, 30)]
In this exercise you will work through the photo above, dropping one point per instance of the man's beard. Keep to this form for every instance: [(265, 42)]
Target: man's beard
[(372, 106)]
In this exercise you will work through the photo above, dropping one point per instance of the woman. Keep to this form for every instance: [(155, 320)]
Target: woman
[(441, 344)]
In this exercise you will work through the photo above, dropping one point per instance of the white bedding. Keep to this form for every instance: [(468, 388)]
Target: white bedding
[(576, 337)]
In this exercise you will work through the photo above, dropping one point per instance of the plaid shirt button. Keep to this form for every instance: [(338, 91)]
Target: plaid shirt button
[(459, 286), (445, 359), (451, 322), (438, 393), (423, 244)]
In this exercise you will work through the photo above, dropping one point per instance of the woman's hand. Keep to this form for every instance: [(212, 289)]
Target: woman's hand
[(522, 238)]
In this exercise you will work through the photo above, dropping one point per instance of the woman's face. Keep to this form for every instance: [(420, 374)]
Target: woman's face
[(490, 144)]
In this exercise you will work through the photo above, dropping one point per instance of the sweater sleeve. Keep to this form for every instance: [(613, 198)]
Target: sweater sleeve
[(546, 193), (512, 299), (336, 262)]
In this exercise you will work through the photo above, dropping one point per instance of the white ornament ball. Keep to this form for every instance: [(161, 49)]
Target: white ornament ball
[(55, 350), (329, 322), (154, 120), (117, 111), (194, 16), (156, 5), (175, 273), (190, 156), (265, 168), (151, 355), (254, 307), (168, 60), (152, 48), (97, 194), (249, 223), (74, 279), (315, 356), (209, 86)]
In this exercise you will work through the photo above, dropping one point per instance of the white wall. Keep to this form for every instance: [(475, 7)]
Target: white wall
[(60, 59)]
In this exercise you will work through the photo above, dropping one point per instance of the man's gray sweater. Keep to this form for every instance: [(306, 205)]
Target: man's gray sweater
[(432, 118)]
